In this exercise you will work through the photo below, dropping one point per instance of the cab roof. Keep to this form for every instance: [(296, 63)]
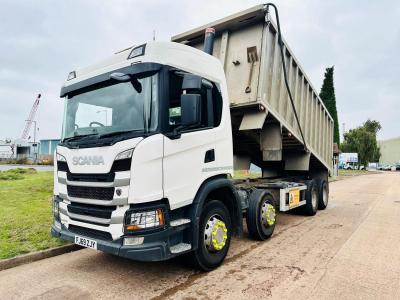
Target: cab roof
[(171, 54)]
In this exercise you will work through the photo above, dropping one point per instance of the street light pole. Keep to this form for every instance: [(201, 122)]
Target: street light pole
[(34, 142)]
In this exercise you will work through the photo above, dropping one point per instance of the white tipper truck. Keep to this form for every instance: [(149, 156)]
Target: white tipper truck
[(151, 138)]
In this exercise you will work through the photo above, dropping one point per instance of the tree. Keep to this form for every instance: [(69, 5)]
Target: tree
[(362, 140), (327, 96), (372, 126)]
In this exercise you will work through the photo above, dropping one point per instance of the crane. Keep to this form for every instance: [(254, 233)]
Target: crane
[(31, 118)]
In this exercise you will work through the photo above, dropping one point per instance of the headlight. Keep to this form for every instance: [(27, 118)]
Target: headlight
[(124, 155), (60, 157), (144, 219)]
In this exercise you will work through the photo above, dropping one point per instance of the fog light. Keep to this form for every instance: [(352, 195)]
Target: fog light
[(144, 219), (133, 241)]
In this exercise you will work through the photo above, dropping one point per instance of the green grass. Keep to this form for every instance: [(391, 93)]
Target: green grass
[(352, 172), (245, 175), (25, 212), (16, 174)]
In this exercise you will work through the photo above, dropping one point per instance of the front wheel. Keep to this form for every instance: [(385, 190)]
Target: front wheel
[(214, 236)]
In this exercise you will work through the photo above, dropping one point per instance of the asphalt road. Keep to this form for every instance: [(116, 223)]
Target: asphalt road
[(348, 251), (39, 168)]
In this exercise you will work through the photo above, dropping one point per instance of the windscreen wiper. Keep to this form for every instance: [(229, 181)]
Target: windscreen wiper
[(110, 134), (78, 137)]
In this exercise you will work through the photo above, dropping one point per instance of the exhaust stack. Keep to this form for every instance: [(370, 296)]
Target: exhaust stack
[(209, 40)]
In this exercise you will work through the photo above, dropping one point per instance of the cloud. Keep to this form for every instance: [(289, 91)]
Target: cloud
[(43, 41)]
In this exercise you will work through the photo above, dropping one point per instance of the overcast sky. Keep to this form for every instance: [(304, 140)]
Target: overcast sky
[(42, 41)]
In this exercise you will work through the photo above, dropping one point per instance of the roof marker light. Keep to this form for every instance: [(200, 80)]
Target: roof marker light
[(71, 75), (137, 51)]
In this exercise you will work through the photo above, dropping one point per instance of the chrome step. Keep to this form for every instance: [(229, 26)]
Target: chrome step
[(182, 247), (179, 222)]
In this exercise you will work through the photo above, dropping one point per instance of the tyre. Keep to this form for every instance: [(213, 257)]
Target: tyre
[(261, 215), (214, 236), (323, 194), (311, 206)]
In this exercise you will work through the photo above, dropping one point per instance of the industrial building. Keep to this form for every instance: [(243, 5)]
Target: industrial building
[(390, 151), (18, 149), (47, 148), (23, 149)]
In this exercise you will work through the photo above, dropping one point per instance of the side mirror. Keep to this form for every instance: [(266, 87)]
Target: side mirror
[(190, 110), (191, 82)]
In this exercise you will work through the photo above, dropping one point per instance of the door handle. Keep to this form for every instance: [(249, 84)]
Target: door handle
[(210, 156)]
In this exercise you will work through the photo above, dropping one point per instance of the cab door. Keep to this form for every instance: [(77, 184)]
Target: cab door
[(185, 167), (189, 158)]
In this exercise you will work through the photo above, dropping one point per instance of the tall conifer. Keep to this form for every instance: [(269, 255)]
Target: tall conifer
[(327, 95)]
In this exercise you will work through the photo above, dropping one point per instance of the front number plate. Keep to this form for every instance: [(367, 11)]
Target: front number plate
[(82, 241), (294, 198)]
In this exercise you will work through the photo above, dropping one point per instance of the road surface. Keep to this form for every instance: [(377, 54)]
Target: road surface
[(349, 251)]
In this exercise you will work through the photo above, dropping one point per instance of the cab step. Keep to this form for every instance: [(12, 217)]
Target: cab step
[(179, 248), (179, 222)]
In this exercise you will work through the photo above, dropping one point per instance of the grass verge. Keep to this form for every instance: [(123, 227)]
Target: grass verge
[(352, 172), (25, 212)]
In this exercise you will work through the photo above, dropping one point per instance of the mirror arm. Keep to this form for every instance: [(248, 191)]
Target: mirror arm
[(175, 134)]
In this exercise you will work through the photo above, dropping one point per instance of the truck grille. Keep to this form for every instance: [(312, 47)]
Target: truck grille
[(98, 193), (97, 211), (108, 177), (90, 233), (118, 166)]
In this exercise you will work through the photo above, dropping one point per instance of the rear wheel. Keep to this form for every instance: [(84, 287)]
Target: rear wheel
[(214, 236), (323, 196), (261, 215), (311, 207)]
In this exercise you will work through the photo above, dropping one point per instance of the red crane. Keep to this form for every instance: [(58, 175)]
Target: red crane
[(31, 118)]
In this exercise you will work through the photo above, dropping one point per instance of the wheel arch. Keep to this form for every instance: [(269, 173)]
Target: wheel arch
[(222, 189)]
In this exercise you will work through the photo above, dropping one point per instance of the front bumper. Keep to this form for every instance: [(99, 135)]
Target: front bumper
[(155, 247)]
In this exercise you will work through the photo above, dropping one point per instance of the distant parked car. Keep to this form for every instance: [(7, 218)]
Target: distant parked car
[(384, 167), (398, 167), (348, 167), (352, 166)]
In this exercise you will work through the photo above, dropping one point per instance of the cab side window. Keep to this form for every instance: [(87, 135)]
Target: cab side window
[(211, 104)]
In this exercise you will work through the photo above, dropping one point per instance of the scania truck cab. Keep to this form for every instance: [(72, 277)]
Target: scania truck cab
[(144, 169)]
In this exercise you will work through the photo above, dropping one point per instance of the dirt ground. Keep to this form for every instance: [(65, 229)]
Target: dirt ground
[(348, 251)]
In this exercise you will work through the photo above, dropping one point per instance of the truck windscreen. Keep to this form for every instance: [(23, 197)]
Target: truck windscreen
[(113, 108)]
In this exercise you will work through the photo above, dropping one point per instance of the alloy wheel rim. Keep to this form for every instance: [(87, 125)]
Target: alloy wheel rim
[(268, 214), (325, 195), (215, 234), (314, 199)]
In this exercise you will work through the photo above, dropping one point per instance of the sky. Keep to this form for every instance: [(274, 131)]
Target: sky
[(42, 41)]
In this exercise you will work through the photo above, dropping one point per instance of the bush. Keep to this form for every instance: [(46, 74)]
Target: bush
[(10, 176), (22, 161), (16, 174)]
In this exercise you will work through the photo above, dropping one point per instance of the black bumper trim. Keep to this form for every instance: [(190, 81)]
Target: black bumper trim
[(151, 251)]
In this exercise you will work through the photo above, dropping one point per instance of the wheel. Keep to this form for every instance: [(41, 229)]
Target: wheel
[(214, 236), (323, 194), (311, 207), (261, 215)]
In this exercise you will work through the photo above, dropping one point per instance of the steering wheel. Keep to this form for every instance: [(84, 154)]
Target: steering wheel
[(96, 123)]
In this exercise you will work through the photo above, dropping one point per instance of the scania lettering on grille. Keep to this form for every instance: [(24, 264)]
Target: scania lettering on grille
[(88, 160)]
